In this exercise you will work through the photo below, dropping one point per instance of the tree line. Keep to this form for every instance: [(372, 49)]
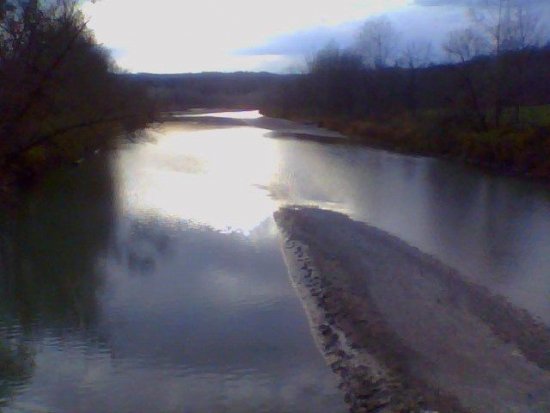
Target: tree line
[(486, 101), (499, 62), (60, 93), (239, 90)]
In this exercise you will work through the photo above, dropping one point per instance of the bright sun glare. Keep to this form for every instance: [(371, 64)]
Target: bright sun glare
[(249, 114), (226, 195), (170, 36)]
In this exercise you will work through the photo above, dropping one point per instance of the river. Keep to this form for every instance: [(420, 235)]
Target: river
[(150, 278)]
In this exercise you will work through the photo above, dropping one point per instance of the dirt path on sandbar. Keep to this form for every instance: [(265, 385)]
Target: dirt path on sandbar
[(406, 333)]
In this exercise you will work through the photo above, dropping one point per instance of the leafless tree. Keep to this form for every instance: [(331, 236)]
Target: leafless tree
[(505, 30), (507, 24), (377, 42), (414, 56), (464, 45), (336, 79)]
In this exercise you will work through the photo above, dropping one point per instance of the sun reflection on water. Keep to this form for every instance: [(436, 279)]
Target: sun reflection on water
[(210, 177), (249, 114)]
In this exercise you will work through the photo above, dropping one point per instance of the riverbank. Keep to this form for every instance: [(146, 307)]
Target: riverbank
[(402, 331), (520, 150), (70, 149), (29, 170)]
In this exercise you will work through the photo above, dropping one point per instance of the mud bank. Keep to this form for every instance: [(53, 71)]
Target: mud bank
[(404, 332)]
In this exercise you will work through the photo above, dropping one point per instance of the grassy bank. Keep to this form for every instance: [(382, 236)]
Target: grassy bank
[(521, 148)]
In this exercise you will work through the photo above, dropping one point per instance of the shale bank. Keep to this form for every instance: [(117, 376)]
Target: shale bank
[(405, 333)]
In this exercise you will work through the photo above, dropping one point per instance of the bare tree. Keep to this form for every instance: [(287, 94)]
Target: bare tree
[(336, 79), (505, 30), (414, 56), (377, 42), (463, 46), (507, 24)]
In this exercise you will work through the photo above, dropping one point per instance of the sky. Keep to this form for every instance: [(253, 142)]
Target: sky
[(180, 36)]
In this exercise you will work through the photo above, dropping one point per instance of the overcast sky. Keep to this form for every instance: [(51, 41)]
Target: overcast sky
[(175, 36)]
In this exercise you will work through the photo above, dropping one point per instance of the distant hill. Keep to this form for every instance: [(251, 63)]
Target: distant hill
[(240, 90)]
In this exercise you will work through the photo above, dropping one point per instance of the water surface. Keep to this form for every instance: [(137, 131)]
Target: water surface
[(151, 279)]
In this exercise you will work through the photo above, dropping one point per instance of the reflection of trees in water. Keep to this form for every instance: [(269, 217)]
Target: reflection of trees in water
[(49, 248), (53, 245), (485, 218), (16, 366), (146, 242)]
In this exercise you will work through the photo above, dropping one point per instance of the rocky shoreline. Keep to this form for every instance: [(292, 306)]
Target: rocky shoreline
[(404, 333)]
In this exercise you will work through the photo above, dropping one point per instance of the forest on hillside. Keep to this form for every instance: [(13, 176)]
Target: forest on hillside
[(240, 90), (487, 102)]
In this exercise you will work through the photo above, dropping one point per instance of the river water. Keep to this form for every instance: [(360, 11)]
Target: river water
[(150, 278)]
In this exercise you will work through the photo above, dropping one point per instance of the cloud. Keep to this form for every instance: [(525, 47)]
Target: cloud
[(414, 23), (430, 3), (170, 36), (424, 21), (175, 36), (304, 42)]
